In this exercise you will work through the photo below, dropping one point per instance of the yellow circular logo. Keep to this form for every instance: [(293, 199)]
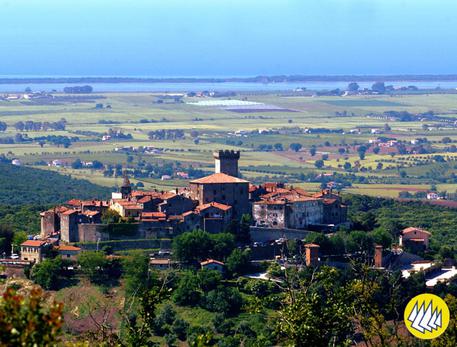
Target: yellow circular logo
[(426, 316)]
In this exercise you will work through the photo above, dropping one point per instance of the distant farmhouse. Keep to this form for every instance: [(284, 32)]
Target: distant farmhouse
[(210, 203)]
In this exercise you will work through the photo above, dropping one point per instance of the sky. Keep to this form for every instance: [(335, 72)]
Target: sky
[(227, 37)]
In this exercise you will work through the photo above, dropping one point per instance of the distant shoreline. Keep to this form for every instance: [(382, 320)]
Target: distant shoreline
[(256, 79)]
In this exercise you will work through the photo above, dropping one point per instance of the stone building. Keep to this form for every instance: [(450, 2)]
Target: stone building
[(224, 189), (298, 213), (415, 238), (32, 250)]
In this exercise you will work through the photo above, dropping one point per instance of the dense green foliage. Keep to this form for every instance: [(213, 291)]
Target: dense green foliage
[(389, 217), (199, 245), (23, 185)]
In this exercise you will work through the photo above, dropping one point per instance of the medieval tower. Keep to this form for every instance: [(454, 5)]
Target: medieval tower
[(226, 162)]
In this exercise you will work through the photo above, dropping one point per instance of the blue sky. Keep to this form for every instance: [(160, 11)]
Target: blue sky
[(227, 37)]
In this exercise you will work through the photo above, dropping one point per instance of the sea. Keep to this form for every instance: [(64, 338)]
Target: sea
[(216, 87)]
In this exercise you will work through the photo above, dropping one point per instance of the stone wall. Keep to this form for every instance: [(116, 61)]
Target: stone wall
[(266, 234)]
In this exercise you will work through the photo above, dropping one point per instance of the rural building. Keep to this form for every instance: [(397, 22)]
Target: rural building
[(415, 238), (212, 264), (32, 250), (68, 252)]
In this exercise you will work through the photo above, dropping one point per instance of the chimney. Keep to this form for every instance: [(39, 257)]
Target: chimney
[(378, 256), (312, 254)]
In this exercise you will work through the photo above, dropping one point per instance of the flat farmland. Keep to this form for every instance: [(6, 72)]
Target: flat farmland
[(299, 139)]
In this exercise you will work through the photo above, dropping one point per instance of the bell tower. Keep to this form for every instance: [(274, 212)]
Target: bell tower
[(126, 188)]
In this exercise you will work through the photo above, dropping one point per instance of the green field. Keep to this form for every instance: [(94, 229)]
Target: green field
[(137, 114)]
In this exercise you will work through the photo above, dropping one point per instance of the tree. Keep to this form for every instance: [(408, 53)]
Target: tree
[(347, 166), (188, 292), (223, 299), (192, 246), (28, 320), (315, 311), (378, 87), (362, 150), (136, 273), (93, 265), (312, 151), (341, 150), (353, 87), (278, 147), (77, 164), (3, 126), (244, 233), (295, 147), (110, 216), (446, 140), (376, 150), (319, 164), (47, 273), (238, 262)]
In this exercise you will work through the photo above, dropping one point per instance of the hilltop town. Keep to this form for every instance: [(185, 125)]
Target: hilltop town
[(210, 203)]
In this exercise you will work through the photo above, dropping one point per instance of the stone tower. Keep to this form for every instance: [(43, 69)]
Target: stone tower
[(312, 254), (226, 162), (126, 188), (378, 256)]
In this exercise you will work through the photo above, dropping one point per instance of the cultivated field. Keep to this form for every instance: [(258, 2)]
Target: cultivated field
[(263, 127)]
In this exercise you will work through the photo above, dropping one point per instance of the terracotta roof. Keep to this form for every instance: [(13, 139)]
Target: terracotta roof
[(66, 213), (153, 214), (74, 202), (413, 229), (312, 245), (219, 178), (129, 205), (160, 261), (68, 248), (91, 213), (168, 195), (33, 243), (145, 199), (270, 202), (213, 204), (185, 214), (211, 261)]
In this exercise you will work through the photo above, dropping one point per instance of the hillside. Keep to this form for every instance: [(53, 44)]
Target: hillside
[(27, 186)]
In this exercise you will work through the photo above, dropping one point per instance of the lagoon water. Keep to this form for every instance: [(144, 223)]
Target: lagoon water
[(224, 86)]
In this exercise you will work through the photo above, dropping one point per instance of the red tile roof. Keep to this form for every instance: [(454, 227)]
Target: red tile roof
[(69, 212), (312, 245), (211, 261), (68, 248), (218, 178), (33, 243), (413, 229), (213, 204)]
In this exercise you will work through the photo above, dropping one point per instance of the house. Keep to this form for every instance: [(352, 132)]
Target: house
[(161, 264), (415, 238), (68, 252), (32, 250), (433, 196), (212, 264)]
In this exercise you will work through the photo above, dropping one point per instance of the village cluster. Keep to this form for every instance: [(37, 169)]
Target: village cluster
[(210, 203)]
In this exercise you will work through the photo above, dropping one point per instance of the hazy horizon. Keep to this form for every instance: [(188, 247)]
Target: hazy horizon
[(204, 38)]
